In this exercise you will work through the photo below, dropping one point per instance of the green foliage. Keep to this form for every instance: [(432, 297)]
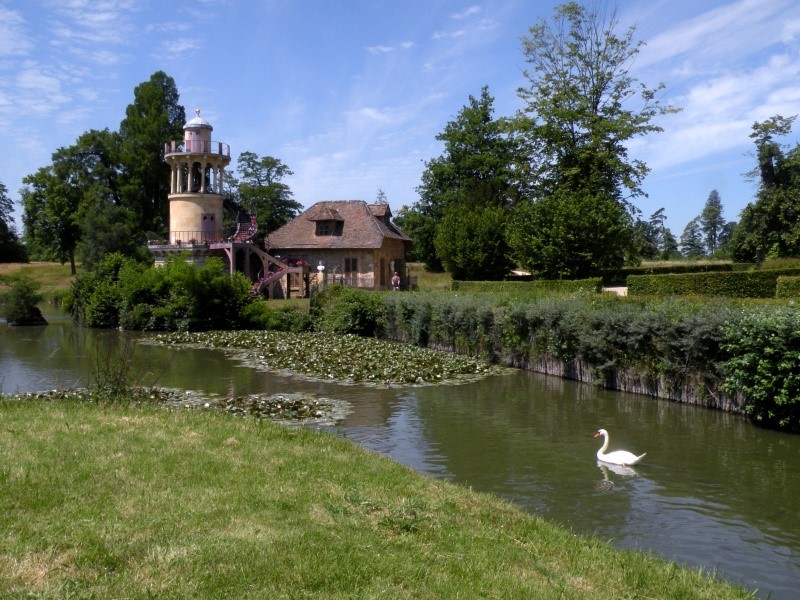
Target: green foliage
[(153, 118), (736, 284), (347, 357), (570, 235), (769, 226), (341, 310), (11, 248), (470, 241), (788, 287), (19, 304), (277, 316), (618, 277), (261, 190), (475, 173), (523, 289), (763, 365), (583, 106), (179, 295)]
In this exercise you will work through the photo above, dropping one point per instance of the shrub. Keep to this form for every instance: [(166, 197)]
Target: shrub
[(177, 296), (19, 304), (787, 287), (276, 317), (763, 364), (340, 309)]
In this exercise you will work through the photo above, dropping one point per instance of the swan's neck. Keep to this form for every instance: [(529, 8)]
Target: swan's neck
[(605, 445)]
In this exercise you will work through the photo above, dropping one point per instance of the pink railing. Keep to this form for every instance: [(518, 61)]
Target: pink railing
[(197, 147)]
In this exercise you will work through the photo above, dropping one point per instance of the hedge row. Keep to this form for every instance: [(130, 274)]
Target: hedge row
[(708, 347), (529, 288), (788, 287), (618, 277), (735, 284)]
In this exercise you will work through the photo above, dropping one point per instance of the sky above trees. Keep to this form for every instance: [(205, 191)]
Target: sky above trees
[(350, 96)]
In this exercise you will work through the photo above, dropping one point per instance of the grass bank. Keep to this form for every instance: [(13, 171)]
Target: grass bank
[(121, 502), (53, 277)]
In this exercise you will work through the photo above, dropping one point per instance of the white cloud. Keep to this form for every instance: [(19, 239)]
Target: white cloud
[(722, 32), (14, 40), (380, 49), (465, 14)]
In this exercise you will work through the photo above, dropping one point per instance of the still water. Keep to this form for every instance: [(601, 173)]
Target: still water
[(713, 491)]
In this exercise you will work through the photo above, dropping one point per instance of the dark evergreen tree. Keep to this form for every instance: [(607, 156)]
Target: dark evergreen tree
[(154, 118), (692, 245), (712, 222)]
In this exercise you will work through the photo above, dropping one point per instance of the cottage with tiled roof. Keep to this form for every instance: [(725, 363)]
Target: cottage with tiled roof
[(349, 242)]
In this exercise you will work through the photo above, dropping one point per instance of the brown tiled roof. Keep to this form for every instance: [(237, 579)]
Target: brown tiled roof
[(363, 226)]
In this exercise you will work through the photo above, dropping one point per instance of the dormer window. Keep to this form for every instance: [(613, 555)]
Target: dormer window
[(329, 227)]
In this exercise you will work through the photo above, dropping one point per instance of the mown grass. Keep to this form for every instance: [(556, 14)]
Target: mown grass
[(428, 281), (112, 501), (54, 278)]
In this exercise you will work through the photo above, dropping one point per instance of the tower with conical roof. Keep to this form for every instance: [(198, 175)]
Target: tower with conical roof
[(196, 197)]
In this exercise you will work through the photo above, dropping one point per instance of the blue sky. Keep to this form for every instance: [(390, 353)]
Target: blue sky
[(351, 94)]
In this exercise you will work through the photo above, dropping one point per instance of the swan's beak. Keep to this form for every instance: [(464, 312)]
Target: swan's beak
[(597, 434)]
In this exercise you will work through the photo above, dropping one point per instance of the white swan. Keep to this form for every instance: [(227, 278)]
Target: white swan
[(618, 457)]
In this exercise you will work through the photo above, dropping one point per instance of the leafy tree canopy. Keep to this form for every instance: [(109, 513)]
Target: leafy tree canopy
[(261, 190), (770, 226), (475, 170), (580, 108)]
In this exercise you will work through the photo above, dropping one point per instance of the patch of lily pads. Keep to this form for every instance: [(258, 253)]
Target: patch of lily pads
[(343, 358), (288, 408)]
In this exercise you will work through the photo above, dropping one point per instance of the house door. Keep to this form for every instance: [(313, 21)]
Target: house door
[(383, 273), (209, 227)]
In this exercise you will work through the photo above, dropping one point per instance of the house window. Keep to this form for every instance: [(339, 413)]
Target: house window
[(350, 265), (324, 228)]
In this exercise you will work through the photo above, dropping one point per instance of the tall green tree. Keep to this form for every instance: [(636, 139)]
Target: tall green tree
[(261, 190), (582, 109), (11, 248), (50, 214), (692, 244), (475, 170), (154, 118), (770, 226), (583, 106), (711, 222)]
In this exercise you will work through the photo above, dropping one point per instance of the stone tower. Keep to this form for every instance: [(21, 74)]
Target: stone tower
[(196, 197)]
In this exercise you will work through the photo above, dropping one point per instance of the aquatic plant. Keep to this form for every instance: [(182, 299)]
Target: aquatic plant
[(346, 358)]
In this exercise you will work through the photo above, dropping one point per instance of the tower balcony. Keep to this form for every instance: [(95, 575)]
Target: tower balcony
[(197, 147)]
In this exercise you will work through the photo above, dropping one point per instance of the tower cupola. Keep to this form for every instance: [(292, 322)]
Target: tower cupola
[(196, 197)]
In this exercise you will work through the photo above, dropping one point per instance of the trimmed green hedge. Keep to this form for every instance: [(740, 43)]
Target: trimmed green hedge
[(735, 284), (788, 286), (715, 347), (618, 277), (526, 288)]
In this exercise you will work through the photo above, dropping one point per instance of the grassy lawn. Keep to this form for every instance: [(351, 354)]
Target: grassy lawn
[(121, 502), (53, 277)]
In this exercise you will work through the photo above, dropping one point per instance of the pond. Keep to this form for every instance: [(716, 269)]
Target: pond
[(712, 492)]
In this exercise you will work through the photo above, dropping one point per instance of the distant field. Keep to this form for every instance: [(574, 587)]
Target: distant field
[(51, 275)]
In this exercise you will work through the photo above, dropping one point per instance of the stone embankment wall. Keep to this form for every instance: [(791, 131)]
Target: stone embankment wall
[(696, 392)]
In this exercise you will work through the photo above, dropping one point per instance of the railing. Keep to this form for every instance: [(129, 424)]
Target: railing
[(188, 238), (197, 147)]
